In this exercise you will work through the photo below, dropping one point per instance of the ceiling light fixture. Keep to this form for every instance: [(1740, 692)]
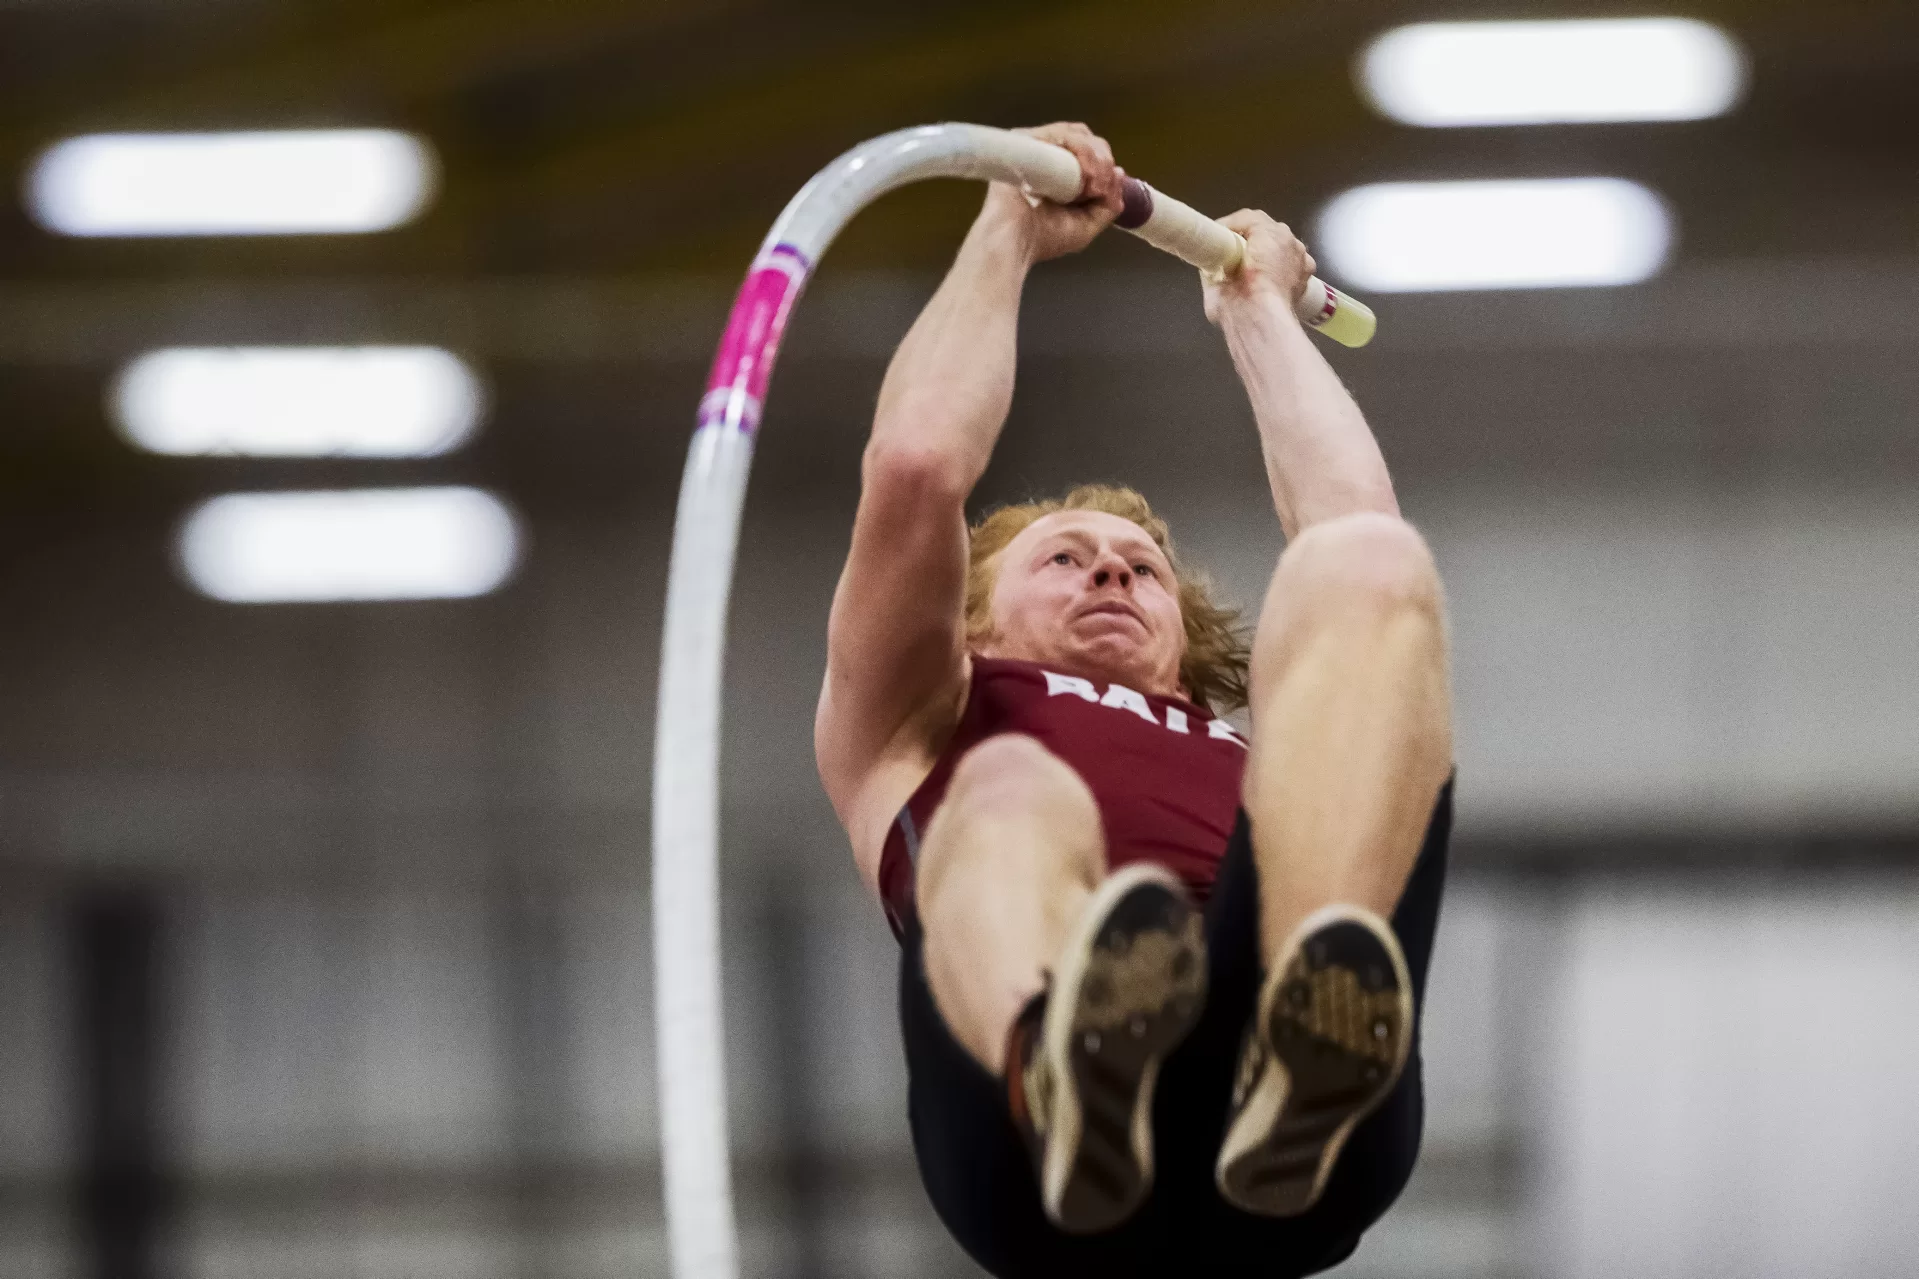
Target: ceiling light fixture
[(1585, 71), (292, 182), (366, 401), (1534, 234), (367, 544)]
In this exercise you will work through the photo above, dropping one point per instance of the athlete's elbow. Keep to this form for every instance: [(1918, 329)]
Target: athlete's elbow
[(915, 471), (833, 756), (1372, 496), (1336, 501)]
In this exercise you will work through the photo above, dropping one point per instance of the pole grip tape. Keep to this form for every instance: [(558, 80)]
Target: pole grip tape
[(1189, 235)]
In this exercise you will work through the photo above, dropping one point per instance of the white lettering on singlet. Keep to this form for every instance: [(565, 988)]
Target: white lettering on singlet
[(1221, 729), (1126, 699), (1057, 684), (1123, 698)]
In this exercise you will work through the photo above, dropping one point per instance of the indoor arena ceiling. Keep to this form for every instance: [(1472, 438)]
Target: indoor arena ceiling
[(607, 166), (639, 137)]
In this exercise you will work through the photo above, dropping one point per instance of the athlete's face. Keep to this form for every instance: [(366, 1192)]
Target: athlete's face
[(1092, 594)]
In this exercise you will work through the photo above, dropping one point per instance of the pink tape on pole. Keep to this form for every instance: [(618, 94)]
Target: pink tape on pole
[(736, 388)]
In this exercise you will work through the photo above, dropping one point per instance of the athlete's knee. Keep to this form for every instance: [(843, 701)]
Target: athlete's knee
[(1367, 559), (1011, 782), (1012, 770)]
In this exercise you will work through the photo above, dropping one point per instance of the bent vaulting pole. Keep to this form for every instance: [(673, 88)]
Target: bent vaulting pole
[(686, 944)]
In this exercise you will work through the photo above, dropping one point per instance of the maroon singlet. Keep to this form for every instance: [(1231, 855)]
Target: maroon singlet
[(1164, 772)]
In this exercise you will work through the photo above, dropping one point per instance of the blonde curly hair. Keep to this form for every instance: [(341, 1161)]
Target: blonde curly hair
[(1217, 652)]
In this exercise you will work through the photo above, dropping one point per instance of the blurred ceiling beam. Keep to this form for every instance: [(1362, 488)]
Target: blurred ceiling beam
[(682, 182), (862, 314), (663, 135), (378, 57)]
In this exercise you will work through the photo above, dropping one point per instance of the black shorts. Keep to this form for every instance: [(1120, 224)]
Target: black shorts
[(981, 1180)]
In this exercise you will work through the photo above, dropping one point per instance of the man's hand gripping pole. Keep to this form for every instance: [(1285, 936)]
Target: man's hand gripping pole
[(1189, 235)]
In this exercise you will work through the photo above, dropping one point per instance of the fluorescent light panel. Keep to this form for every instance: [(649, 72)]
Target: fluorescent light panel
[(292, 182), (1553, 233), (1446, 74), (367, 401), (368, 544)]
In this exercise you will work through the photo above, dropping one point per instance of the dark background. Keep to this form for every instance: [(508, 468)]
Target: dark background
[(323, 929)]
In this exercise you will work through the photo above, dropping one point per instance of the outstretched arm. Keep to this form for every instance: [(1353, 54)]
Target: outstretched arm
[(896, 644), (1321, 458)]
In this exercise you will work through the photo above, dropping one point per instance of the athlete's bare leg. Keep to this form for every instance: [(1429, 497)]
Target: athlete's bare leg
[(1014, 899), (1352, 720), (1352, 742), (1006, 869)]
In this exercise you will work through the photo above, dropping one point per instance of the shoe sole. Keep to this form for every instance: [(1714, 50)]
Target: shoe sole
[(1134, 980), (1337, 1017)]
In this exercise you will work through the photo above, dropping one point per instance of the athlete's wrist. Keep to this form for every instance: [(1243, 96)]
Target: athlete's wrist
[(1003, 237), (1248, 312), (1262, 335)]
